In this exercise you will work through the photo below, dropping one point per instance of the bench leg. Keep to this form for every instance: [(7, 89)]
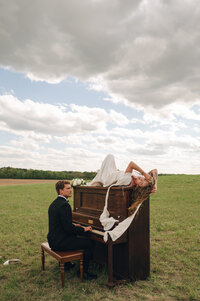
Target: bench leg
[(42, 258), (62, 270), (81, 269)]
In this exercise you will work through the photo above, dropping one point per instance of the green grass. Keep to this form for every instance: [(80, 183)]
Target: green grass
[(175, 241)]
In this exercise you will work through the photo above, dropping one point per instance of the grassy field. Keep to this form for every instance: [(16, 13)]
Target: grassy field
[(175, 246)]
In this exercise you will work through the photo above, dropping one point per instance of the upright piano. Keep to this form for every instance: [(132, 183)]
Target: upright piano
[(128, 258)]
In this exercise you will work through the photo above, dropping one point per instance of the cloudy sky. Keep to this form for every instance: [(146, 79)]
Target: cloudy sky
[(81, 79)]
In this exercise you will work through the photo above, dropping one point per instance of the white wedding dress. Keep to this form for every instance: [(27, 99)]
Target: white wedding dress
[(110, 176)]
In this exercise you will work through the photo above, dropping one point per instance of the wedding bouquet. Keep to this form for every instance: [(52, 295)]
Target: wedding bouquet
[(77, 182)]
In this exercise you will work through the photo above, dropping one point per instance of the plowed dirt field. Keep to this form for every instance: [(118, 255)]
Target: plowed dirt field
[(5, 182)]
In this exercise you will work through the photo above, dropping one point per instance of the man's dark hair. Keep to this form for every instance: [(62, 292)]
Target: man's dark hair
[(61, 184)]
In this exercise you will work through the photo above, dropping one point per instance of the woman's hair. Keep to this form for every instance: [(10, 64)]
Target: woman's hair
[(61, 184), (140, 194)]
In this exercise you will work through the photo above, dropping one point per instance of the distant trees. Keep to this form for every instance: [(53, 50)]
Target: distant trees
[(21, 173)]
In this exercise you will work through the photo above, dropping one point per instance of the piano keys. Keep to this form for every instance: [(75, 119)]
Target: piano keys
[(128, 257)]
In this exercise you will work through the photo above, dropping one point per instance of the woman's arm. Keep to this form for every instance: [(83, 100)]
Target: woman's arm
[(132, 165)]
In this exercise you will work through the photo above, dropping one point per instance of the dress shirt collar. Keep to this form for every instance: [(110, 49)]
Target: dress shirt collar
[(61, 196)]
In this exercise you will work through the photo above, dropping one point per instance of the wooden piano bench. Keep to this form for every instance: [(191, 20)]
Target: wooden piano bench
[(62, 257)]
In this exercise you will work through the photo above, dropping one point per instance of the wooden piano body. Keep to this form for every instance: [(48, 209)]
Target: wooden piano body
[(129, 256)]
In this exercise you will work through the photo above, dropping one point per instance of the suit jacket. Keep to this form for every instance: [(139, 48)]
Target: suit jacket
[(60, 223)]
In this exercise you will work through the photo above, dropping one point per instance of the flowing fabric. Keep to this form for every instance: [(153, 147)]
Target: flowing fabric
[(121, 227), (106, 220)]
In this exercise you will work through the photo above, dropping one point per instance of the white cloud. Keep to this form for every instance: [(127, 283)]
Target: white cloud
[(25, 144), (118, 118), (48, 135), (51, 119), (173, 111), (142, 53), (160, 149)]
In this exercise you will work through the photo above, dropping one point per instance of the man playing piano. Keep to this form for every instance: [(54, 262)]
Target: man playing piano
[(63, 235)]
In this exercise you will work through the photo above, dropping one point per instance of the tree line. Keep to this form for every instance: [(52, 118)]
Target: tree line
[(21, 173)]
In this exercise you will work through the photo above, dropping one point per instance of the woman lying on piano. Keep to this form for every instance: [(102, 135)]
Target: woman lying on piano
[(132, 176)]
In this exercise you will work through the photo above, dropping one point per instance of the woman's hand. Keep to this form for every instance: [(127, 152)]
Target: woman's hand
[(147, 177)]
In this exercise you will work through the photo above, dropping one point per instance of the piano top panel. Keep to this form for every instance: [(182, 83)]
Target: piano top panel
[(91, 200), (103, 189)]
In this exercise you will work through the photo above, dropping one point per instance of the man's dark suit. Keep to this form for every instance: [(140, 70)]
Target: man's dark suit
[(62, 234)]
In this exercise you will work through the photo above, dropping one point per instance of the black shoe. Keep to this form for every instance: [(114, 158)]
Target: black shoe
[(91, 275), (87, 275), (69, 265)]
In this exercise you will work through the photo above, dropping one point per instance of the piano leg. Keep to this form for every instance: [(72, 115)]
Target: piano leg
[(110, 282)]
